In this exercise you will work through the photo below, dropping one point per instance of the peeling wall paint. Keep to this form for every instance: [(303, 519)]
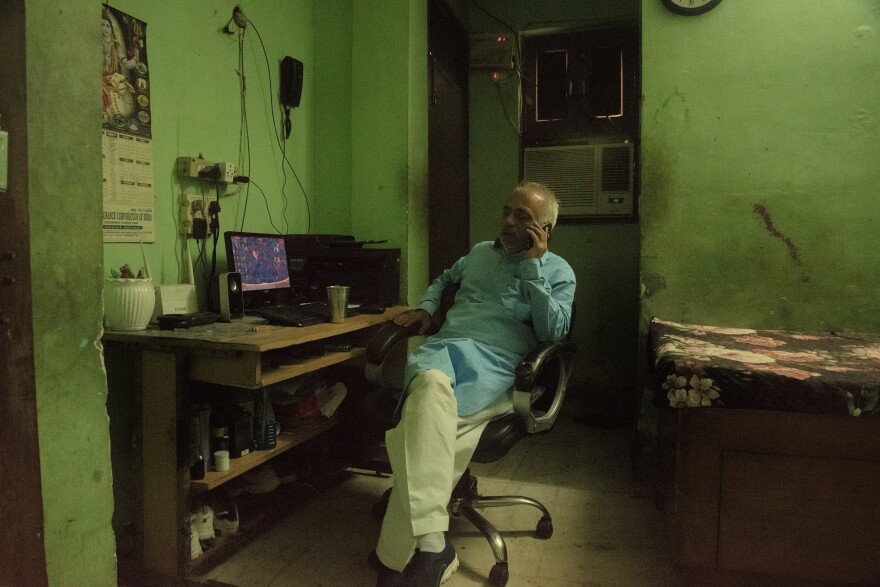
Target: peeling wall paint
[(762, 213)]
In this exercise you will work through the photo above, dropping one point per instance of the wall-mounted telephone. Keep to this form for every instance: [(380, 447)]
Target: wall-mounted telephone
[(290, 82)]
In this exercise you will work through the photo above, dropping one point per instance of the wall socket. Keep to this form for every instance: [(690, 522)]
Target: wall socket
[(226, 172), (222, 172), (193, 206), (191, 166)]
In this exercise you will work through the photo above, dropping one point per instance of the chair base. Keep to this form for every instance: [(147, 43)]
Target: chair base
[(466, 500)]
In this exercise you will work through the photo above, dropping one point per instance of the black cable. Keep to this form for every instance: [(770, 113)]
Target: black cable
[(283, 187), (200, 260), (244, 136), (266, 201), (504, 109), (214, 225), (281, 144), (278, 137)]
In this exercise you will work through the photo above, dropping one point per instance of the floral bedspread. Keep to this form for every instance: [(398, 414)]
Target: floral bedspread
[(701, 366)]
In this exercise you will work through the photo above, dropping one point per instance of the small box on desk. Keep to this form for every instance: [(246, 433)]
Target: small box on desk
[(175, 299)]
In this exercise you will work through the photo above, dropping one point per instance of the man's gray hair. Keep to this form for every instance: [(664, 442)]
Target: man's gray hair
[(551, 204)]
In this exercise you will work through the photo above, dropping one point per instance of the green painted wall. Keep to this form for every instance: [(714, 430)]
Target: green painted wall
[(760, 149), (332, 78), (603, 256), (389, 131), (196, 110), (64, 183)]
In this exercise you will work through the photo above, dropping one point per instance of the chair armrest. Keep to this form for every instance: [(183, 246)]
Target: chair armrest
[(543, 357), (380, 370), (386, 338)]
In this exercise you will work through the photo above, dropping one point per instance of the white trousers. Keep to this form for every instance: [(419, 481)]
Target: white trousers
[(429, 450)]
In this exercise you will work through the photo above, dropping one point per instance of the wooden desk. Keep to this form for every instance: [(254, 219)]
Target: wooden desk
[(242, 354)]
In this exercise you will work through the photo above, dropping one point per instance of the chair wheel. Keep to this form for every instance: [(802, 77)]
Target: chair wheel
[(380, 507), (499, 575), (545, 528)]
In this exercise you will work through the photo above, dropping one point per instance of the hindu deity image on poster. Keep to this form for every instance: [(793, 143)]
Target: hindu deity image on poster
[(126, 99)]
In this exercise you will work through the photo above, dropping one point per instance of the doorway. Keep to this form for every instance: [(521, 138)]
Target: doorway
[(22, 555)]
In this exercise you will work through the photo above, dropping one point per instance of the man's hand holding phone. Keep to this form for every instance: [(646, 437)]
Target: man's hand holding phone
[(413, 316), (538, 237)]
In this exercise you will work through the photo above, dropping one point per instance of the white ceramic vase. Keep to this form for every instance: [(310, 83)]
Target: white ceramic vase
[(128, 303)]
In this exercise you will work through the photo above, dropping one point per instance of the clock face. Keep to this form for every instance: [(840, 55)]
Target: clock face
[(690, 7)]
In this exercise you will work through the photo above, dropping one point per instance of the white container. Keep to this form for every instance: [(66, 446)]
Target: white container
[(221, 460), (128, 303)]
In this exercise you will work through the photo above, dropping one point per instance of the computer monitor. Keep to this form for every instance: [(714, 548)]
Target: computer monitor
[(261, 260)]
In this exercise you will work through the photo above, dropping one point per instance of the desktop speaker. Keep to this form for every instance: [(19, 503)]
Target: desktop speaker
[(230, 296)]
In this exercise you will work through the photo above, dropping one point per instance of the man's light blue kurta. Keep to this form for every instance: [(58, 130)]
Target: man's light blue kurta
[(505, 306)]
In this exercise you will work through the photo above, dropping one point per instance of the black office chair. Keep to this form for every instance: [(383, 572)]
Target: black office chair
[(541, 379)]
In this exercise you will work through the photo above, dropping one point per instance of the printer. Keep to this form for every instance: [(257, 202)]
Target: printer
[(318, 260)]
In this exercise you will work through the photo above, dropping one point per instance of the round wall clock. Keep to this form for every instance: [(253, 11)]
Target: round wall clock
[(690, 7)]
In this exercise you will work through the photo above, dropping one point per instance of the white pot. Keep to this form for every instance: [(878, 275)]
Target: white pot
[(128, 303)]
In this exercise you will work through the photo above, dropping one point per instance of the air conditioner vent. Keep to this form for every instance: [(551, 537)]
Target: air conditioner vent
[(571, 174), (616, 169), (574, 172)]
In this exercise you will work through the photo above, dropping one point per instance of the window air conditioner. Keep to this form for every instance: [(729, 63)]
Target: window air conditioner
[(589, 180)]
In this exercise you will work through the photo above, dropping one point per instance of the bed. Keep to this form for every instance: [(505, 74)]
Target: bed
[(777, 463)]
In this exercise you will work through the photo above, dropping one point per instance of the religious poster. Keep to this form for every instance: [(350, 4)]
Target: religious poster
[(126, 141)]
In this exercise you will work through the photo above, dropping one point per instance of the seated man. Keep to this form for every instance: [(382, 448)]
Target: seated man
[(513, 294)]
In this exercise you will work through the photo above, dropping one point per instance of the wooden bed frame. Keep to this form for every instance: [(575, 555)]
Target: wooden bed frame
[(776, 498)]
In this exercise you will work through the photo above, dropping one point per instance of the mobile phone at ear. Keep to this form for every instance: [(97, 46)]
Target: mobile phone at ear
[(545, 228)]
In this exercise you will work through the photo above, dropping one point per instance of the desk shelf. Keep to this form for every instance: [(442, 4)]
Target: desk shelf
[(244, 353), (253, 371), (304, 430)]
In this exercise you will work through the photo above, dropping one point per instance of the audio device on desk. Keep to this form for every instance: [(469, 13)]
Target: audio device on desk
[(319, 260)]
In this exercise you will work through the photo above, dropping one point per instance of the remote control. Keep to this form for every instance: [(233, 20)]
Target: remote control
[(372, 310)]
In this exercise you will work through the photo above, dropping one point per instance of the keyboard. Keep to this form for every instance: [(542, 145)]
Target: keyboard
[(291, 316)]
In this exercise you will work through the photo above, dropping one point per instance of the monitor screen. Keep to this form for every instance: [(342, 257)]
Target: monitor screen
[(261, 259)]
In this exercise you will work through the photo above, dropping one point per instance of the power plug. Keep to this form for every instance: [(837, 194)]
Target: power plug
[(200, 228), (192, 210)]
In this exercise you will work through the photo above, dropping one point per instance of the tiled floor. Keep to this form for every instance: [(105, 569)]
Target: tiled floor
[(605, 534)]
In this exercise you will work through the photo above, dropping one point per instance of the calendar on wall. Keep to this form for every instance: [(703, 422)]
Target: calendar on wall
[(126, 120)]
